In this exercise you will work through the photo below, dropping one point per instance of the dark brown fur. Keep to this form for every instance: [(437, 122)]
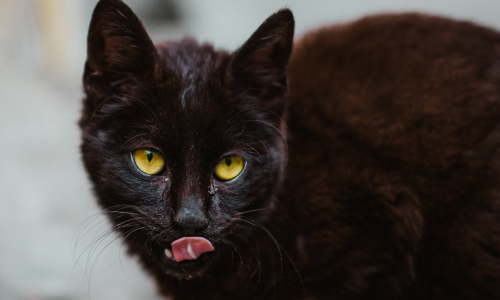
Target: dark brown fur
[(389, 188)]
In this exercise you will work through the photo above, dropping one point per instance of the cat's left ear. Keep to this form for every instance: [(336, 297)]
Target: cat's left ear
[(258, 68), (120, 52)]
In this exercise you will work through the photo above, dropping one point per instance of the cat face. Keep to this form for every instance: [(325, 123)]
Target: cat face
[(182, 142)]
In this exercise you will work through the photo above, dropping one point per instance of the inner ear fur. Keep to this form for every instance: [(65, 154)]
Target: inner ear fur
[(259, 66)]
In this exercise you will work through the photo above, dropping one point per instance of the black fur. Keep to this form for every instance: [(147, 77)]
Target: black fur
[(384, 185)]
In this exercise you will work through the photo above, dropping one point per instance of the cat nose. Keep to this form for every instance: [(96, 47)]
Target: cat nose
[(190, 215)]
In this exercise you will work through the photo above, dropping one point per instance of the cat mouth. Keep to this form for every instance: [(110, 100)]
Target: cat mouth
[(189, 248), (188, 256)]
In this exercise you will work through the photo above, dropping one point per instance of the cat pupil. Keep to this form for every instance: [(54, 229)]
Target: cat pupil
[(150, 155), (228, 161)]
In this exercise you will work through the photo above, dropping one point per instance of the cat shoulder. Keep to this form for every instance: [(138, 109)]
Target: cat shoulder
[(402, 82)]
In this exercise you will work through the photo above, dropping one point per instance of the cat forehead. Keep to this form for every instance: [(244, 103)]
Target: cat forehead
[(198, 69), (189, 60)]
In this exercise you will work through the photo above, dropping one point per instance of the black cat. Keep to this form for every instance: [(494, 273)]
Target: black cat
[(364, 165)]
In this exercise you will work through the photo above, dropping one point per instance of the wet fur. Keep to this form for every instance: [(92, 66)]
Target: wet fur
[(385, 188)]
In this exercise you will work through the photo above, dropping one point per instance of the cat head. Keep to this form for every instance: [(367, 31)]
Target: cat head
[(181, 140)]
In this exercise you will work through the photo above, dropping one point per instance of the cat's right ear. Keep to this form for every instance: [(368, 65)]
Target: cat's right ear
[(120, 52)]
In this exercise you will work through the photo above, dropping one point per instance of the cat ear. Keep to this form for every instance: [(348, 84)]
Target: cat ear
[(259, 67), (119, 52)]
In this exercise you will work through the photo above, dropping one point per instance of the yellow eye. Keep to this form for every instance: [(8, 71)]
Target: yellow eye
[(149, 162), (229, 167)]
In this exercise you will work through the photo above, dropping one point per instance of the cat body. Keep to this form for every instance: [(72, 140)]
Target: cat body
[(371, 162), (399, 116)]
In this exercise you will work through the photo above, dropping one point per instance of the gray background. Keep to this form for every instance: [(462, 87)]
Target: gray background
[(44, 192)]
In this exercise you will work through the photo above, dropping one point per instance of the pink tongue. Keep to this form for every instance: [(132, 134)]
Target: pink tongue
[(190, 248)]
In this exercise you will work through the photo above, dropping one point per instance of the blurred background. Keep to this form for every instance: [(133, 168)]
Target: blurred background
[(50, 228)]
